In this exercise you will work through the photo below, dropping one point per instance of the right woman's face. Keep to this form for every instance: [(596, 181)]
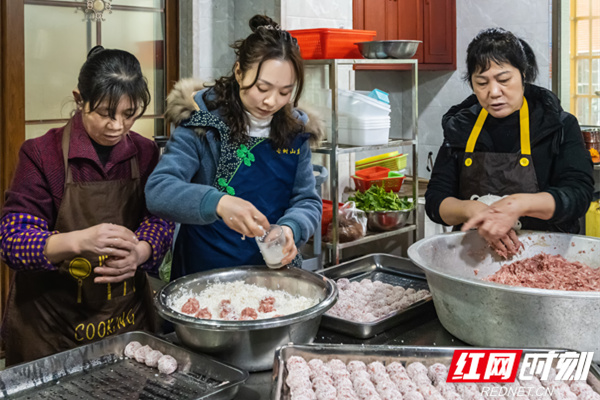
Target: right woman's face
[(499, 89), (272, 90)]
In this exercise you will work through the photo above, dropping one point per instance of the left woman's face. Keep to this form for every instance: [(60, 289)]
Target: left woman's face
[(102, 128), (499, 89), (272, 90)]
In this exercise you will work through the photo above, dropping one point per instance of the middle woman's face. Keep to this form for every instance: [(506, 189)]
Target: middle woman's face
[(499, 89), (272, 90)]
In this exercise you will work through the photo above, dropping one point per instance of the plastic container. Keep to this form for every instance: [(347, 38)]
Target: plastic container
[(380, 95), (395, 163), (327, 215), (377, 157), (363, 131), (325, 43), (373, 173), (393, 184), (358, 105)]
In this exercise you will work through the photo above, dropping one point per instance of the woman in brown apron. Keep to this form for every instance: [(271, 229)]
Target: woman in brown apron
[(509, 139), (74, 226)]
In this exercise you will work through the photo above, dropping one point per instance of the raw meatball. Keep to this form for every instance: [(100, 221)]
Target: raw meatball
[(266, 305), (167, 364), (131, 348), (191, 306), (204, 314), (140, 354), (152, 358), (248, 313), (226, 311)]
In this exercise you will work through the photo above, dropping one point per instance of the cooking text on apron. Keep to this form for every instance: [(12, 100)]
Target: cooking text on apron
[(52, 311)]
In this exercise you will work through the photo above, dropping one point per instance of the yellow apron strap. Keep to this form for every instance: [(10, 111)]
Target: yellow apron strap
[(476, 131), (524, 118), (524, 125)]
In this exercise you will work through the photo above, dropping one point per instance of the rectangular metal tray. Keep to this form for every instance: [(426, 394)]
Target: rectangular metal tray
[(100, 371), (385, 354), (394, 270)]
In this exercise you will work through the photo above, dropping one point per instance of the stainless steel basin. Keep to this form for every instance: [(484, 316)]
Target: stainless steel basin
[(249, 344), (489, 314), (388, 48)]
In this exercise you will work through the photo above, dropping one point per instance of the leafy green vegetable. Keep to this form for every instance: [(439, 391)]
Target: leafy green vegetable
[(377, 199)]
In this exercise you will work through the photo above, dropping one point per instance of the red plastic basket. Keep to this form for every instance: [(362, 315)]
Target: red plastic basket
[(373, 173), (327, 215), (393, 184), (325, 43)]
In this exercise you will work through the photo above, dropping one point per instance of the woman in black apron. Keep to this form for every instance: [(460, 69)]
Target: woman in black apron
[(513, 140), (74, 224)]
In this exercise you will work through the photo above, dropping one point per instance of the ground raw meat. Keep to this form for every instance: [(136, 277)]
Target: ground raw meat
[(545, 271)]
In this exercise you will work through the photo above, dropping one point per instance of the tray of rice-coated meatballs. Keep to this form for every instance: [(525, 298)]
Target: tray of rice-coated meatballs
[(376, 293), (134, 365), (330, 371)]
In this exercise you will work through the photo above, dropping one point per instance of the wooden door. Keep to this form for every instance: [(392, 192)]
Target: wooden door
[(370, 15), (439, 31), (410, 23)]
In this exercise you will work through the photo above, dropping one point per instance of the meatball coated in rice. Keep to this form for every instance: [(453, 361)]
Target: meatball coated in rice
[(167, 364), (152, 358), (140, 354), (131, 348)]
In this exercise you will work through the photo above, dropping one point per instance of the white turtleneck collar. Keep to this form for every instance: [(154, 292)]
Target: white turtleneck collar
[(259, 127)]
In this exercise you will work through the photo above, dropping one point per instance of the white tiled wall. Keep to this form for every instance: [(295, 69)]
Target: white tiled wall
[(309, 14)]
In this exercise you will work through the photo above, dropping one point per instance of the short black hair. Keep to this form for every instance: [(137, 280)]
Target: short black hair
[(110, 74), (500, 46)]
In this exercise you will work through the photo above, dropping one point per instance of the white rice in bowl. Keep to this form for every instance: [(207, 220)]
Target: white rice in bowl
[(241, 296)]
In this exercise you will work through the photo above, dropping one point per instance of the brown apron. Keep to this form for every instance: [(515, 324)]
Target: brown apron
[(52, 311), (499, 174)]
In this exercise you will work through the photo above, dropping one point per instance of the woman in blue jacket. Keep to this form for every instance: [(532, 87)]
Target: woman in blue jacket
[(239, 159)]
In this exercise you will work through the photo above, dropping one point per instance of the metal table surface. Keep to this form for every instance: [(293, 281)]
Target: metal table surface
[(423, 331)]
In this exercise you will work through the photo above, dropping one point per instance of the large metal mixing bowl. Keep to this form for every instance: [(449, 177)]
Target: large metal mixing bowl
[(388, 48), (249, 344), (489, 314)]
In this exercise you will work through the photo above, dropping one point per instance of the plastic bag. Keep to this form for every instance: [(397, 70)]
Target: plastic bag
[(352, 224)]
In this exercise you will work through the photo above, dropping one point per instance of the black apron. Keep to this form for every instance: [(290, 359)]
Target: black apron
[(52, 311), (499, 174)]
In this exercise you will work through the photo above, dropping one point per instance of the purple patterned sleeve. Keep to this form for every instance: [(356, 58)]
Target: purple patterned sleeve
[(22, 241), (159, 234)]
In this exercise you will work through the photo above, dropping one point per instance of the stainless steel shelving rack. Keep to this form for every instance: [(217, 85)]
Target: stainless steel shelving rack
[(333, 149)]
